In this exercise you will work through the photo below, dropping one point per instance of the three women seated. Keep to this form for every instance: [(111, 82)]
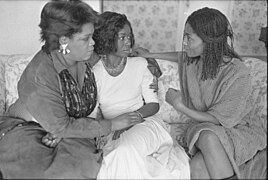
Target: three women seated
[(48, 132)]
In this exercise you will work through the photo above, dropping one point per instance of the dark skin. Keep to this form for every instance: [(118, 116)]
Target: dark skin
[(51, 140), (211, 161)]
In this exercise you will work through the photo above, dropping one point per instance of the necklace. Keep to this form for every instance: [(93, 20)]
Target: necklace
[(116, 70)]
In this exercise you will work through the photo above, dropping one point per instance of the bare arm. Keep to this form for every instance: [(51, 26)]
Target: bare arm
[(173, 97), (146, 110), (149, 109), (170, 56), (150, 98), (197, 115)]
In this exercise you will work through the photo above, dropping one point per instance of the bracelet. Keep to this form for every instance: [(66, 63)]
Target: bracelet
[(141, 116)]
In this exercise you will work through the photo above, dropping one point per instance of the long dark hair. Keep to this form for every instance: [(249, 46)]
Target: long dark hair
[(213, 28)]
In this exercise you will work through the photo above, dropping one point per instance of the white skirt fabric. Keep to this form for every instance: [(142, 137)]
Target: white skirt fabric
[(145, 151)]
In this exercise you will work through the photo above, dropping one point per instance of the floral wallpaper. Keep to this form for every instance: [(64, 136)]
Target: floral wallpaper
[(155, 22), (247, 19)]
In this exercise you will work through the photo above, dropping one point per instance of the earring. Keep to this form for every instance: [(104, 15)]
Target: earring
[(63, 49), (184, 43)]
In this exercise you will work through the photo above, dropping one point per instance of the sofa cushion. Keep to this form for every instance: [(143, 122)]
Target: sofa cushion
[(169, 79), (14, 67), (258, 70)]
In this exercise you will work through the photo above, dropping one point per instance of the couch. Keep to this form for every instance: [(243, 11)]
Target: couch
[(12, 66)]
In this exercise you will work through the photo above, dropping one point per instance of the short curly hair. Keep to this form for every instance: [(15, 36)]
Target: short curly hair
[(106, 34), (213, 28), (64, 18)]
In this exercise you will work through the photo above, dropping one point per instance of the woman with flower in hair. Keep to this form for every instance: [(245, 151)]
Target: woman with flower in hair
[(221, 132)]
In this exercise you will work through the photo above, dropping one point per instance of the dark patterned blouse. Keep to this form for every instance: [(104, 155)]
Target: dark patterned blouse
[(79, 103)]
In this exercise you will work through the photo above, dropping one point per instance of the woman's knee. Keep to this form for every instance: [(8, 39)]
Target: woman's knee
[(208, 141), (197, 162)]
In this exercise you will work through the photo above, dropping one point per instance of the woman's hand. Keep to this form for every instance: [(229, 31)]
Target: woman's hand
[(154, 84), (126, 120), (142, 52), (174, 98), (50, 140)]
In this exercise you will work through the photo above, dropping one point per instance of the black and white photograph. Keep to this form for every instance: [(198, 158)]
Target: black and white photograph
[(133, 89)]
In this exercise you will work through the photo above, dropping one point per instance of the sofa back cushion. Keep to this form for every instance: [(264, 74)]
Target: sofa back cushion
[(14, 67), (169, 79), (258, 71)]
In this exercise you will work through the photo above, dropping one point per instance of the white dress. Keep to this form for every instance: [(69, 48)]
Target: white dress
[(145, 151)]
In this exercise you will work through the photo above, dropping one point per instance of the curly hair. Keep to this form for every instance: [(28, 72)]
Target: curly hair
[(214, 29), (106, 34), (64, 18)]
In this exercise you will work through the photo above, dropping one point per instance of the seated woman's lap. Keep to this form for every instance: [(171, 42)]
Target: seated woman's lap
[(22, 151), (76, 158), (146, 137)]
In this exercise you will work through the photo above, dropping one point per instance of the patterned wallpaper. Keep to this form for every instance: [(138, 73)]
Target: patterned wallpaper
[(155, 23), (247, 19)]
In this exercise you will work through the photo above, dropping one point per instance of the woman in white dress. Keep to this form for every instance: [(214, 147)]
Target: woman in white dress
[(145, 150)]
